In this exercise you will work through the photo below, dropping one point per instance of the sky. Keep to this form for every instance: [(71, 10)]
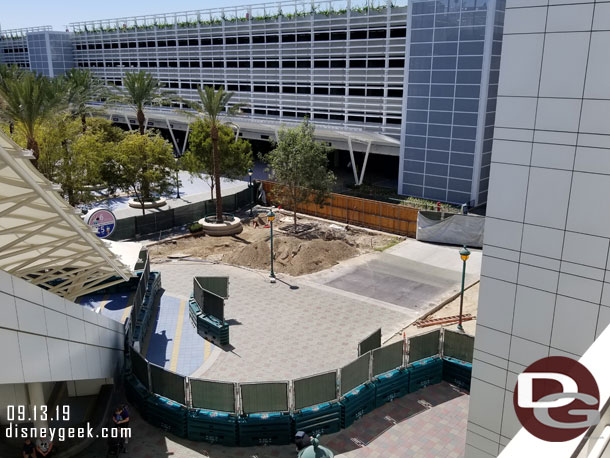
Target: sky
[(16, 15)]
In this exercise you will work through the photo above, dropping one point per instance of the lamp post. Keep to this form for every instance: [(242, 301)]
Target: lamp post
[(464, 254), (271, 218), (250, 172)]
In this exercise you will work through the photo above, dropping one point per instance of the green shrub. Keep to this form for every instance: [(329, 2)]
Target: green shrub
[(195, 227)]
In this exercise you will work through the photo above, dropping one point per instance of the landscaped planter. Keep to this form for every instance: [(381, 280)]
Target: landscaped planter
[(133, 203), (230, 226)]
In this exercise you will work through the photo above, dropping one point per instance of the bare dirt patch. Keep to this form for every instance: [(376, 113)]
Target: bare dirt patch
[(317, 245)]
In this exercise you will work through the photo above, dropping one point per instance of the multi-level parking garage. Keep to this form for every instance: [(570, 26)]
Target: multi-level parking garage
[(14, 45), (414, 82), (321, 60)]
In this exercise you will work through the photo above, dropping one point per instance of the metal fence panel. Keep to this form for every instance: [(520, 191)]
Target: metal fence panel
[(424, 345), (264, 397), (458, 345), (370, 343), (213, 395), (139, 367), (216, 285), (314, 390), (125, 228), (388, 357), (167, 384), (355, 373)]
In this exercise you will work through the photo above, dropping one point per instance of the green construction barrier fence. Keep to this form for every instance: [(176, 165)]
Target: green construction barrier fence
[(264, 397), (139, 367), (355, 373), (370, 343), (168, 218), (216, 285), (314, 390), (458, 345), (388, 357), (167, 384), (424, 345), (213, 395)]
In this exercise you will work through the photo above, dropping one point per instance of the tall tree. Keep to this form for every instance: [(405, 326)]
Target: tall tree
[(299, 165), (8, 73), (146, 165), (28, 100), (74, 159), (212, 105), (235, 154), (139, 89), (83, 88)]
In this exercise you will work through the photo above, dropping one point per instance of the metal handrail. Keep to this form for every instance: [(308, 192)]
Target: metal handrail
[(243, 12)]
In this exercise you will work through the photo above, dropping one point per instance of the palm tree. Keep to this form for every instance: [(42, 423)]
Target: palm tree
[(213, 103), (28, 100), (139, 89), (83, 88), (8, 73)]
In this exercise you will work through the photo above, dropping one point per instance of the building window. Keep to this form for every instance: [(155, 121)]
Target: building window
[(377, 33), (358, 35), (398, 33)]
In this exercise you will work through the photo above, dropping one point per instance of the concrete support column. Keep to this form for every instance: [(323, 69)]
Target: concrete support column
[(37, 400)]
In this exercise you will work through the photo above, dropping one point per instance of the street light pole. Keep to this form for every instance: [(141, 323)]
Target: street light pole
[(250, 172), (271, 217), (464, 254)]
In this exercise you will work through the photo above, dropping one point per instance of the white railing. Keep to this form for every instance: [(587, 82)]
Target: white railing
[(216, 16), (18, 33)]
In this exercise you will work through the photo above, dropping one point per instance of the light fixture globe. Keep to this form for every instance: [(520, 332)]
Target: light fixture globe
[(464, 253), (271, 216), (315, 450)]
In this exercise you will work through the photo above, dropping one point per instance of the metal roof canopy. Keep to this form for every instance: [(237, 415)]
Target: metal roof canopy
[(354, 139), (42, 240), (323, 131)]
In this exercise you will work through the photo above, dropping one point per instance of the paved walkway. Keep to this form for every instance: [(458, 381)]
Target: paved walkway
[(414, 276), (285, 330), (430, 423), (172, 341), (113, 306), (191, 190)]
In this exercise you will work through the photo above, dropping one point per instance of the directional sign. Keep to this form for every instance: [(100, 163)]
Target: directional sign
[(102, 221)]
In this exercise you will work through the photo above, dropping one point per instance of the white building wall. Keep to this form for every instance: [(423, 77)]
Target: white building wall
[(544, 274), (45, 338)]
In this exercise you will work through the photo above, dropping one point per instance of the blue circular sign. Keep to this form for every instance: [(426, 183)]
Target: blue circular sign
[(102, 221)]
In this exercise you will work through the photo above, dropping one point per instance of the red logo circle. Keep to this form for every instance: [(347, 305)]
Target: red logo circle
[(556, 418)]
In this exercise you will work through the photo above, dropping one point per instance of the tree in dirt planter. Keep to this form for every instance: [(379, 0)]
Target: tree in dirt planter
[(299, 165), (146, 165), (212, 105), (234, 154)]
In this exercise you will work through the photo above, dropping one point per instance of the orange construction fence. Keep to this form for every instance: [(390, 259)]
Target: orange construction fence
[(382, 216)]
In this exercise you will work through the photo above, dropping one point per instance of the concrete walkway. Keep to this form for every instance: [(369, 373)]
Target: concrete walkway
[(191, 190), (285, 330), (414, 276)]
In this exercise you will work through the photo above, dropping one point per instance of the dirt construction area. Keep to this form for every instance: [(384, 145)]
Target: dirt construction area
[(317, 245)]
